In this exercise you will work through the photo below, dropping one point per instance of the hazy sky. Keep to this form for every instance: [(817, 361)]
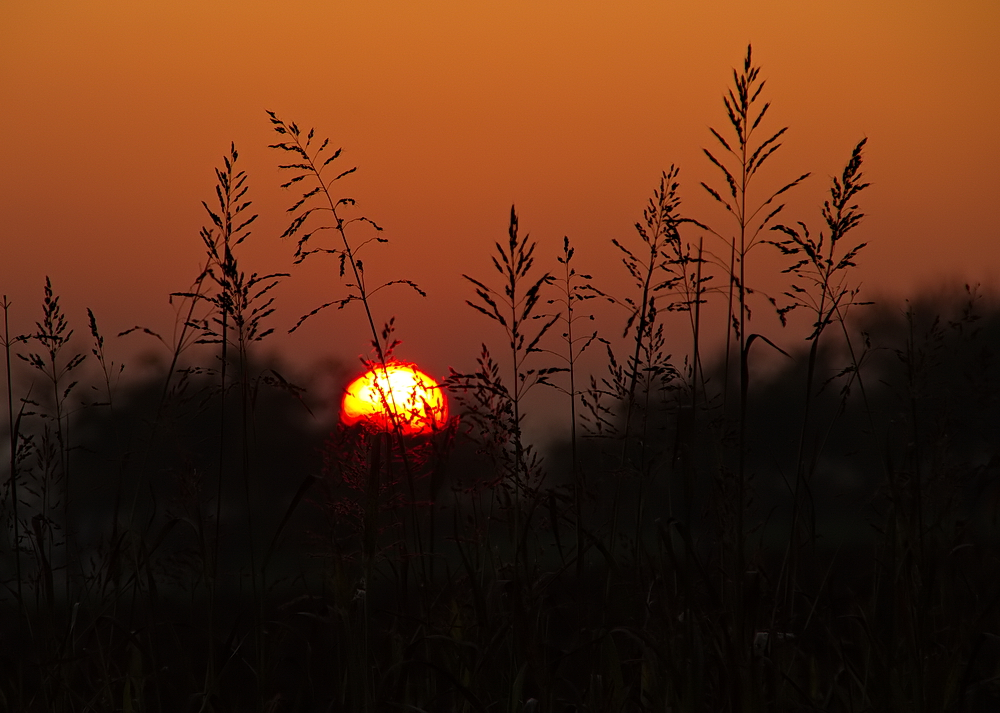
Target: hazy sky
[(116, 113)]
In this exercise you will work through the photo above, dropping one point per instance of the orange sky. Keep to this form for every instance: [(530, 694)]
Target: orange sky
[(116, 114)]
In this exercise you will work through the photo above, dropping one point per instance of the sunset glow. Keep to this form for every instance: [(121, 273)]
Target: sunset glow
[(452, 112), (418, 402)]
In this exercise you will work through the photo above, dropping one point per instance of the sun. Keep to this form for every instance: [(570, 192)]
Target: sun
[(418, 402)]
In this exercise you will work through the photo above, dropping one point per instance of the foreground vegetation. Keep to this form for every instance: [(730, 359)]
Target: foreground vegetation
[(711, 535)]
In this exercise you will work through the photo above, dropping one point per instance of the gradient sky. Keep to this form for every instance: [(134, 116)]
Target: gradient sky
[(116, 113)]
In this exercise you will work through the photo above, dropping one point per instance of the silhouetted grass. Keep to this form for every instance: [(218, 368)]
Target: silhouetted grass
[(830, 545)]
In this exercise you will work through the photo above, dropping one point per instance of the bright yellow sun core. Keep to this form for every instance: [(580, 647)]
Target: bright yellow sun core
[(417, 401)]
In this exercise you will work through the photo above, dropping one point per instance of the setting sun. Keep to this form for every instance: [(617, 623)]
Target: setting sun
[(415, 398)]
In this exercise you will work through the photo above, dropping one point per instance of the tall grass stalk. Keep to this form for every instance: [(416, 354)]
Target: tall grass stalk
[(53, 334), (694, 297), (13, 428), (186, 332), (240, 306), (573, 292), (746, 158), (742, 102), (657, 271), (309, 162), (109, 577), (820, 287), (52, 482), (513, 307)]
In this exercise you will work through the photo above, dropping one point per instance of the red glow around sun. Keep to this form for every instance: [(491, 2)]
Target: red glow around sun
[(418, 402)]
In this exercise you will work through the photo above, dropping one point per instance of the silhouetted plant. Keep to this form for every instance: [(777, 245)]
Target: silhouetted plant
[(657, 272), (746, 157), (53, 335), (239, 306), (311, 163), (741, 104), (47, 487), (512, 307), (576, 288), (821, 288), (19, 444)]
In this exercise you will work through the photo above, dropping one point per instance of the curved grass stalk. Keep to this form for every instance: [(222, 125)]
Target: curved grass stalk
[(311, 162)]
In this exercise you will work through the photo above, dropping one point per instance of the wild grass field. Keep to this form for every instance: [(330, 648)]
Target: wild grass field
[(805, 520)]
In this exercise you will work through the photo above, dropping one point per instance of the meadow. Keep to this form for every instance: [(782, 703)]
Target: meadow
[(804, 520)]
